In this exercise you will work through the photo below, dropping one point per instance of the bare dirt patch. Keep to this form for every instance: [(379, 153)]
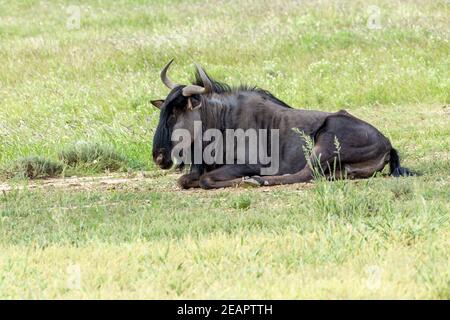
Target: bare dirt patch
[(110, 181), (137, 182)]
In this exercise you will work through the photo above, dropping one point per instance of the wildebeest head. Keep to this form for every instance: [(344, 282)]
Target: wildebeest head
[(178, 111)]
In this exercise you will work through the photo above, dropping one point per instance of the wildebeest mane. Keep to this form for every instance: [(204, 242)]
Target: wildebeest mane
[(220, 87)]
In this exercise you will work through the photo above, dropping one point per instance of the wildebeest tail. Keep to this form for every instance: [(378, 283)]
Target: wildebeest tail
[(394, 166)]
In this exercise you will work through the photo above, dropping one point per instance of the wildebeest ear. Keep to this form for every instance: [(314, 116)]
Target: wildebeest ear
[(157, 103)]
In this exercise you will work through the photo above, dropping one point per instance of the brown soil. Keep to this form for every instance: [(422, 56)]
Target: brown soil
[(137, 182)]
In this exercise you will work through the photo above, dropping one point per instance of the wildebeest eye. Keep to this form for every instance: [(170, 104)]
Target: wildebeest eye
[(195, 100), (172, 120)]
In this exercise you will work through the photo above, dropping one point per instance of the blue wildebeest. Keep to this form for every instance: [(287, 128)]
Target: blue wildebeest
[(363, 150)]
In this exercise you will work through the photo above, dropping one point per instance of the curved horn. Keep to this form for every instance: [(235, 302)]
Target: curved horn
[(169, 84), (206, 82), (192, 89)]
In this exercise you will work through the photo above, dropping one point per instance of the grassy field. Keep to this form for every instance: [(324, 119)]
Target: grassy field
[(64, 86)]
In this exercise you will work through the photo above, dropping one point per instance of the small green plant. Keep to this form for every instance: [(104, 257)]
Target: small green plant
[(313, 160), (337, 168), (94, 156), (242, 203), (33, 167)]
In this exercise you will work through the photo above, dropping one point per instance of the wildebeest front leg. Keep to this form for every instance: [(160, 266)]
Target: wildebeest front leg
[(303, 175), (319, 153), (226, 176)]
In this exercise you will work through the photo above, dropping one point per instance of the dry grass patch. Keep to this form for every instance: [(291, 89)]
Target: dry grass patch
[(96, 157), (32, 167)]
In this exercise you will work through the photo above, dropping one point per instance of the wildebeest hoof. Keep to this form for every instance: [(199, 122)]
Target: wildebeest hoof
[(185, 182), (254, 181), (250, 183)]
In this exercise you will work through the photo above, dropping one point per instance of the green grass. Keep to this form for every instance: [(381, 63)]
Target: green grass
[(377, 238)]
